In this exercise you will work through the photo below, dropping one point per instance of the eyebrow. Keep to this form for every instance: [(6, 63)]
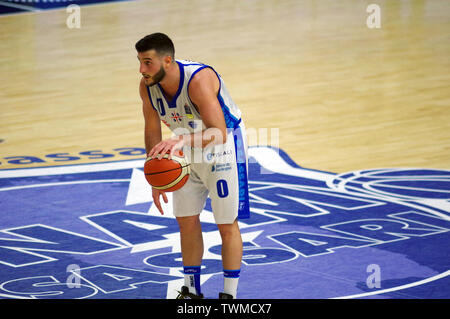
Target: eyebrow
[(144, 59)]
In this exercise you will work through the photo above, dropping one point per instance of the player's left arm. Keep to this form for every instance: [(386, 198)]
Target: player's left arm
[(203, 91)]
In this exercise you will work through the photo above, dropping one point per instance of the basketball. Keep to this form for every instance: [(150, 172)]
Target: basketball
[(167, 174)]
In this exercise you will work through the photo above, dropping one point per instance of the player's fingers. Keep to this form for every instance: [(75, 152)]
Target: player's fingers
[(157, 203), (151, 153), (170, 148), (156, 149), (165, 197), (171, 152), (163, 150), (177, 146)]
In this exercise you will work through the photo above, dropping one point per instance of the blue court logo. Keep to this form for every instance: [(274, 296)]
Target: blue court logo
[(92, 231)]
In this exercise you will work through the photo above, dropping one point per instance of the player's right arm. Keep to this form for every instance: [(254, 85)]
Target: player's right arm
[(152, 129), (152, 135)]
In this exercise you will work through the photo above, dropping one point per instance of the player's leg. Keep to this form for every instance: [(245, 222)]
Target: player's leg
[(188, 202), (226, 179), (191, 240), (231, 256), (224, 194), (231, 245), (191, 251)]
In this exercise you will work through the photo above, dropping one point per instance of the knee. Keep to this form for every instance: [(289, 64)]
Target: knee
[(189, 224), (229, 231)]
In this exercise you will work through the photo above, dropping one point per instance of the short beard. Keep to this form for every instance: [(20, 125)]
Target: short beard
[(158, 77)]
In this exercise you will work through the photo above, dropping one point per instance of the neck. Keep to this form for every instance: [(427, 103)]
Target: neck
[(171, 80)]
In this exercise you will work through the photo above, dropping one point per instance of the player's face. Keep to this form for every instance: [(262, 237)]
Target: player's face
[(151, 67)]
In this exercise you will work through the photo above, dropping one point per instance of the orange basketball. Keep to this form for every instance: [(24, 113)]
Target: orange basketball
[(167, 175)]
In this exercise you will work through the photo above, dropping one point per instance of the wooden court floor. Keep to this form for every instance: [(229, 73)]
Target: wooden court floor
[(343, 96)]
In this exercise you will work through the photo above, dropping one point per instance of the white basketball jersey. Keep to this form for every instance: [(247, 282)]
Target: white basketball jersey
[(220, 170), (180, 112)]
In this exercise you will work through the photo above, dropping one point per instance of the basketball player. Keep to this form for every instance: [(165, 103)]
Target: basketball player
[(192, 100)]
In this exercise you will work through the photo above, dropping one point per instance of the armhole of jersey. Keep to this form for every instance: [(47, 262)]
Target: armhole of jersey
[(192, 76), (150, 98)]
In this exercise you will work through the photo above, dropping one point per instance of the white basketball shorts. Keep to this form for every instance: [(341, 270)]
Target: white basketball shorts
[(220, 172)]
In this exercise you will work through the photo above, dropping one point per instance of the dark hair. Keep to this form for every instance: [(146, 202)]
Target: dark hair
[(159, 42)]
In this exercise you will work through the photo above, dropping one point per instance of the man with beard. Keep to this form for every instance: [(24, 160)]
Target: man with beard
[(192, 100)]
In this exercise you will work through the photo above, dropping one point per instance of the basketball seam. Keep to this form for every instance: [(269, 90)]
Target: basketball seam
[(173, 169), (185, 170)]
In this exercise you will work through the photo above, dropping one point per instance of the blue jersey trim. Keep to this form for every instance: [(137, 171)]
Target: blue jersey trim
[(203, 66), (230, 120), (187, 64), (173, 103), (150, 98), (241, 162)]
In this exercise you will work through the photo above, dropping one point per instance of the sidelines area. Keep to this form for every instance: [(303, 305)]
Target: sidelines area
[(92, 231)]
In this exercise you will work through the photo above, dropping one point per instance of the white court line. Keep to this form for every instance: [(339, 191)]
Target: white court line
[(14, 296), (71, 169), (64, 183), (271, 160)]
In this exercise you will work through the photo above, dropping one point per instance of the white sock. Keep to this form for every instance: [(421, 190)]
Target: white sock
[(189, 282), (192, 279), (230, 282)]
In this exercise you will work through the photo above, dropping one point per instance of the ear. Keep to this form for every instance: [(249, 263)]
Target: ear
[(167, 60)]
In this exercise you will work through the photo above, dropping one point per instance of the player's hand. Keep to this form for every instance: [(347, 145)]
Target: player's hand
[(167, 146), (156, 193)]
